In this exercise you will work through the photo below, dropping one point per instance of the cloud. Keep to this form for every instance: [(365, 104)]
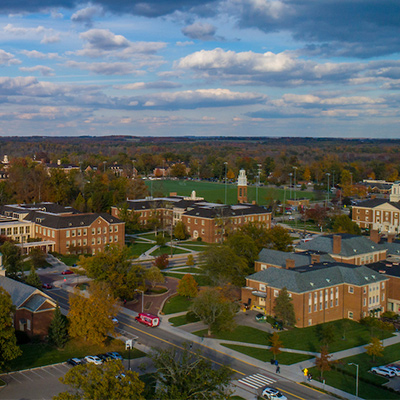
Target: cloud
[(8, 58), (148, 85), (42, 69), (85, 15), (200, 31), (106, 68), (55, 38), (182, 44), (38, 54), (17, 31)]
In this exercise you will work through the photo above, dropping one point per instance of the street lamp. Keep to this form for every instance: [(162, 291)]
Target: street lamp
[(226, 188), (290, 186), (357, 366), (138, 290), (328, 175), (295, 169)]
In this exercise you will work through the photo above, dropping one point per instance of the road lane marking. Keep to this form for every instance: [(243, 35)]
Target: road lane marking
[(13, 377), (256, 381)]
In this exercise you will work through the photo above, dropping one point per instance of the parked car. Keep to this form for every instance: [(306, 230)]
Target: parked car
[(115, 321), (47, 286), (272, 394), (94, 359), (394, 368), (74, 361), (104, 357), (114, 355), (67, 272), (383, 371)]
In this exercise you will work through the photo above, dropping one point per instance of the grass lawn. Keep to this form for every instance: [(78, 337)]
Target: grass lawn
[(139, 248), (39, 354), (300, 225), (70, 259), (194, 243), (284, 357), (188, 318), (149, 235), (201, 280), (167, 250), (176, 304), (193, 247), (213, 192)]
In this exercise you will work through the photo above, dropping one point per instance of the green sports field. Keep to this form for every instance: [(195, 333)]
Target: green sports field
[(214, 192)]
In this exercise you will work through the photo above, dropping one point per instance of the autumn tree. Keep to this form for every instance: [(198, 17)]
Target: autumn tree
[(375, 348), (323, 362), (276, 344), (8, 342), (113, 267), (284, 309), (154, 276), (109, 381), (187, 286), (190, 260), (58, 330), (12, 259), (137, 189), (180, 231), (187, 375), (161, 261), (91, 317), (33, 279), (222, 265), (211, 307)]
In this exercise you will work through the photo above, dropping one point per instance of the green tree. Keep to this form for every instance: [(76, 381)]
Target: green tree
[(187, 286), (222, 265), (154, 276), (284, 309), (343, 224), (8, 342), (114, 267), (131, 219), (109, 381), (325, 334), (91, 317), (323, 362), (58, 330), (276, 344), (190, 260), (80, 203), (180, 231), (33, 279), (38, 257), (161, 240), (269, 165), (257, 232), (214, 310), (375, 348), (278, 238), (187, 375), (244, 246), (12, 259)]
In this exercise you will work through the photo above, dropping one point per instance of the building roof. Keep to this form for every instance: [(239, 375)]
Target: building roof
[(372, 203), (21, 293), (44, 206), (317, 277), (386, 268), (57, 221), (211, 210), (351, 245), (276, 257)]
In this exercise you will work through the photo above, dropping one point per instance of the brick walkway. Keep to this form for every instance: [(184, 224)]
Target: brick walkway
[(153, 303)]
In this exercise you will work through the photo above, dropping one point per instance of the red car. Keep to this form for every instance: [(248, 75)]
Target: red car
[(47, 286), (67, 272)]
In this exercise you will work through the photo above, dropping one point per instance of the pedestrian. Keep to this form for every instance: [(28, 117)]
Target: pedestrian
[(190, 346), (276, 362), (278, 369)]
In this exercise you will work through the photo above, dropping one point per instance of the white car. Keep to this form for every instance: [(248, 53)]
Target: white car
[(383, 371), (272, 394), (394, 368), (94, 360)]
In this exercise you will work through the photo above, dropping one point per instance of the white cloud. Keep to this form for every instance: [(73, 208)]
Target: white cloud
[(38, 54), (200, 31), (104, 68), (42, 69), (148, 85), (85, 15), (8, 58), (10, 28)]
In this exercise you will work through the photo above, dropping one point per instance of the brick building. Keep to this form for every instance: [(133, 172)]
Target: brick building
[(66, 230), (346, 248), (33, 309), (320, 292)]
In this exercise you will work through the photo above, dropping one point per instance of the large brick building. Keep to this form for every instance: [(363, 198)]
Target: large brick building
[(65, 230), (320, 292)]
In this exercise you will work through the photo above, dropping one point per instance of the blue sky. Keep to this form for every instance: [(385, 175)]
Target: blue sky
[(326, 68)]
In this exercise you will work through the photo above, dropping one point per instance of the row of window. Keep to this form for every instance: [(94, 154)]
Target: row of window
[(16, 230), (84, 242), (83, 232), (321, 305)]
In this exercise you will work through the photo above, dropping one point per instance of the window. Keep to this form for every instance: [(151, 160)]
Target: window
[(202, 222), (116, 228), (383, 285), (79, 232), (105, 230), (115, 238), (320, 306), (195, 221), (310, 322), (15, 230), (309, 309), (67, 243), (98, 240), (188, 220), (28, 229), (28, 324), (111, 239), (111, 229), (73, 243), (73, 233), (21, 230), (85, 232), (351, 289), (44, 231), (365, 289), (350, 314), (276, 293), (336, 302), (315, 307), (79, 242), (365, 301), (93, 241), (99, 231), (85, 242), (67, 233), (93, 231), (53, 234)]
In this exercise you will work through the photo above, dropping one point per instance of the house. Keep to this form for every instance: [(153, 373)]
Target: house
[(320, 292), (345, 248), (33, 309)]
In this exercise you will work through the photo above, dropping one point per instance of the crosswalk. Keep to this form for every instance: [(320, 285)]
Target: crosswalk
[(256, 381)]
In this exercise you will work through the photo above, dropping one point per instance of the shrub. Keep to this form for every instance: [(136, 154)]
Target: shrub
[(22, 337), (199, 239)]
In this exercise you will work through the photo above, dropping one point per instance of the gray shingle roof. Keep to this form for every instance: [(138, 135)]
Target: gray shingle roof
[(351, 245), (275, 257), (377, 202), (317, 278), (18, 291)]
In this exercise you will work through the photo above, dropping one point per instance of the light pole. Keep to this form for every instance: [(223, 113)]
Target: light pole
[(328, 175), (295, 169), (290, 186), (226, 188), (104, 165), (138, 290), (258, 181), (357, 366)]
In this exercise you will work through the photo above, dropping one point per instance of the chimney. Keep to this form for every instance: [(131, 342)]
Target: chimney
[(390, 238), (374, 236), (289, 263), (337, 244), (315, 259)]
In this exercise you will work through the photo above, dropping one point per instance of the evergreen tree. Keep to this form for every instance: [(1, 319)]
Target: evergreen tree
[(33, 279), (58, 330), (284, 309)]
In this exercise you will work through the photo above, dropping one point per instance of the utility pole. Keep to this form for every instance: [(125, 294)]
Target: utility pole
[(226, 187), (258, 181)]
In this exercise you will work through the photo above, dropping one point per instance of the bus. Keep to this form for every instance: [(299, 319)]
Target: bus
[(148, 319)]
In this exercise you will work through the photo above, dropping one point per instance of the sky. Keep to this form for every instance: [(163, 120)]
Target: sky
[(299, 68)]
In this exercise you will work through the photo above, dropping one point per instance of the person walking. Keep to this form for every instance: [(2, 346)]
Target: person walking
[(278, 369)]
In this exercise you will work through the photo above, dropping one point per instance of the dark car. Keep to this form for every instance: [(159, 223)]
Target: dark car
[(74, 361), (114, 355), (104, 357), (47, 286), (67, 272)]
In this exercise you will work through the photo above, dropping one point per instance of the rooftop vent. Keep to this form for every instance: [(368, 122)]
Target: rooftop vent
[(328, 280), (312, 283), (373, 276)]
